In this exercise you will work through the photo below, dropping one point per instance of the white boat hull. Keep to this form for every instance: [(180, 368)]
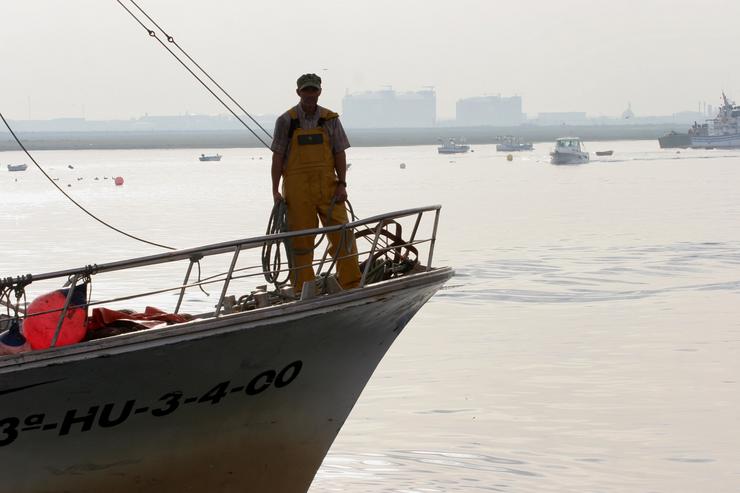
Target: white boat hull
[(558, 157), (514, 147), (719, 141), (246, 402), (461, 150)]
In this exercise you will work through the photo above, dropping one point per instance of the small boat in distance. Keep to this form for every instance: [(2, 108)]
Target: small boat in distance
[(568, 150), (450, 147), (212, 157), (513, 144), (604, 153), (17, 167)]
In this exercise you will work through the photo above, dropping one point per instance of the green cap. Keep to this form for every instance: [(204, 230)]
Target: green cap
[(309, 80)]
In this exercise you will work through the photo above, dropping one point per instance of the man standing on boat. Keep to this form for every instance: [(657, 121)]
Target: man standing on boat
[(308, 152)]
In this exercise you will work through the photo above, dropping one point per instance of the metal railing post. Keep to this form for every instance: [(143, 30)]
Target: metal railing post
[(372, 251), (184, 283), (227, 280), (72, 288), (416, 227), (433, 241)]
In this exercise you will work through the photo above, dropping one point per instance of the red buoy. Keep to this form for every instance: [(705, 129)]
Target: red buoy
[(119, 181), (40, 329)]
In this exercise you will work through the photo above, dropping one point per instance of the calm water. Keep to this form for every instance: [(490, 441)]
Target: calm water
[(589, 343)]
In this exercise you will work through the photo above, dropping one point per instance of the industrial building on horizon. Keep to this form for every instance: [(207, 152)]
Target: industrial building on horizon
[(383, 109), (388, 108), (496, 111)]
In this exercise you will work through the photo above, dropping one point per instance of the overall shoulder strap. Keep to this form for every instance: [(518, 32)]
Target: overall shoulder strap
[(326, 115), (294, 123)]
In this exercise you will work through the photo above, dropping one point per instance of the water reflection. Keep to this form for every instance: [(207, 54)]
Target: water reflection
[(407, 471), (576, 275)]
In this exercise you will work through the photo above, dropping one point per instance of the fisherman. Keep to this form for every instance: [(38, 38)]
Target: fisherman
[(308, 152)]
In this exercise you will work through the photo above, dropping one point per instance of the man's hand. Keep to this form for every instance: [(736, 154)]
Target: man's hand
[(277, 197), (340, 193)]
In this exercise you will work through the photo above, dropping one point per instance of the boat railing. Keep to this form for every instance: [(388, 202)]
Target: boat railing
[(372, 229)]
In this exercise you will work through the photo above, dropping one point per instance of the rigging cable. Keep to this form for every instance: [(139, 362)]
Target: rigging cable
[(73, 200), (172, 40), (154, 35)]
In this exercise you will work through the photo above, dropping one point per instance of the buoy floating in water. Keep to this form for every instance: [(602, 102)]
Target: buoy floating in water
[(509, 157), (119, 181), (403, 166), (40, 329)]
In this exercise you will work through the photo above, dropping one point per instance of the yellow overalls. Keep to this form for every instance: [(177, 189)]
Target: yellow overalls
[(309, 182)]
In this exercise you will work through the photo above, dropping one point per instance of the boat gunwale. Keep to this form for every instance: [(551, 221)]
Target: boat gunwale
[(206, 327), (210, 250)]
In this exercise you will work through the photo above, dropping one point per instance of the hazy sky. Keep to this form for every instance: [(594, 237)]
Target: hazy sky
[(74, 57)]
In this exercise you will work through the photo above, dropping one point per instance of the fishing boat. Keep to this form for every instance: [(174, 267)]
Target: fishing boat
[(673, 140), (451, 147), (723, 131), (212, 157), (513, 144), (568, 150), (17, 167), (246, 397)]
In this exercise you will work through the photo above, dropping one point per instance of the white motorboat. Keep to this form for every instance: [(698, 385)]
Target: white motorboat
[(568, 150), (451, 147), (248, 397), (212, 157), (17, 167)]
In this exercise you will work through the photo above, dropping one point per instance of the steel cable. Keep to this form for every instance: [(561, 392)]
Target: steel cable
[(171, 39), (73, 200), (185, 65)]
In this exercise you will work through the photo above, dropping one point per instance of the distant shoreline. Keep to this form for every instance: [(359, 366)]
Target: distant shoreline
[(213, 139)]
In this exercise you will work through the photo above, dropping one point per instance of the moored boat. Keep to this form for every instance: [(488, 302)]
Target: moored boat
[(673, 140), (17, 167), (212, 157), (513, 144), (723, 131), (604, 153), (451, 147), (247, 397), (568, 150)]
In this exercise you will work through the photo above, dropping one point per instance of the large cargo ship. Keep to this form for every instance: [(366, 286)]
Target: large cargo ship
[(722, 131)]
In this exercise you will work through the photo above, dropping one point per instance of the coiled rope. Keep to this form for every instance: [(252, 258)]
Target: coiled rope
[(271, 254), (272, 261)]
